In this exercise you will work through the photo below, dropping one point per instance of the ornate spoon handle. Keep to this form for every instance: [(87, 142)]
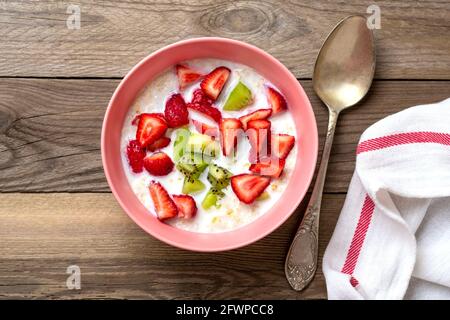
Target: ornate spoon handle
[(301, 260)]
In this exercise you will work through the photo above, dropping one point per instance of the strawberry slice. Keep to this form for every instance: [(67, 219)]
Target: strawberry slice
[(260, 114), (151, 127), (258, 132), (248, 187), (269, 166), (199, 96), (210, 111), (281, 145), (135, 120), (204, 128), (276, 100), (159, 144), (186, 206), (135, 155), (158, 164), (164, 206), (201, 103), (137, 117), (229, 131), (213, 83), (186, 75), (176, 112)]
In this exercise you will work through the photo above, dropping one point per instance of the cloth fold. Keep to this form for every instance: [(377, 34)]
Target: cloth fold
[(392, 239)]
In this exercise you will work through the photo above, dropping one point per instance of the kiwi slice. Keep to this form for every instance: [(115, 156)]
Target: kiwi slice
[(191, 165), (179, 146), (218, 177), (191, 186), (240, 97), (202, 144), (211, 198)]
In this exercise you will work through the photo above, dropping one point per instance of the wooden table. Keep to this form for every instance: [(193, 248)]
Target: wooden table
[(56, 208)]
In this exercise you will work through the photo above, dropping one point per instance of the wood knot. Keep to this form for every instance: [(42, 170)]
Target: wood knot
[(7, 117), (238, 18)]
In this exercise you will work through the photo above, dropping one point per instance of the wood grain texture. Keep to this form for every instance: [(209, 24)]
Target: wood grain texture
[(50, 136), (413, 42), (50, 130), (42, 234)]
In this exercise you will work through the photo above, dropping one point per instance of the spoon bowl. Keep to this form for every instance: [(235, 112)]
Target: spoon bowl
[(345, 65)]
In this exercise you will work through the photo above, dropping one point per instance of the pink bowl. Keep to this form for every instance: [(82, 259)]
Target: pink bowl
[(226, 49)]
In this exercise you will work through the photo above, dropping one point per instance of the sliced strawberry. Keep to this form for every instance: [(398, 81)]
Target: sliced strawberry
[(164, 206), (229, 132), (281, 145), (159, 144), (186, 206), (260, 114), (135, 120), (213, 83), (201, 103), (135, 155), (176, 112), (210, 111), (137, 117), (204, 128), (199, 96), (158, 164), (186, 75), (276, 100), (258, 132), (151, 127), (268, 166), (248, 187), (261, 124), (161, 116)]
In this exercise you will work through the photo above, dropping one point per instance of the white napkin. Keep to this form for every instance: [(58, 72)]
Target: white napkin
[(392, 240)]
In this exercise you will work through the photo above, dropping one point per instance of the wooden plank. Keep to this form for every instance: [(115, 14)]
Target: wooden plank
[(50, 130), (42, 234), (413, 42)]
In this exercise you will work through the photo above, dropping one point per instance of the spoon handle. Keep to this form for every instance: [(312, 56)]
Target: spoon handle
[(301, 260)]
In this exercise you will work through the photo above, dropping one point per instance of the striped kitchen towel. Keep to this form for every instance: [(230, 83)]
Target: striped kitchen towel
[(392, 240)]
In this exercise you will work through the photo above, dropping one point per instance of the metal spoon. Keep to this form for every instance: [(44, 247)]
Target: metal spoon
[(342, 76)]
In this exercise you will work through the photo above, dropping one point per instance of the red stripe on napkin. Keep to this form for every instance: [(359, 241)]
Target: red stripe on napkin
[(358, 239), (353, 281), (403, 138)]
